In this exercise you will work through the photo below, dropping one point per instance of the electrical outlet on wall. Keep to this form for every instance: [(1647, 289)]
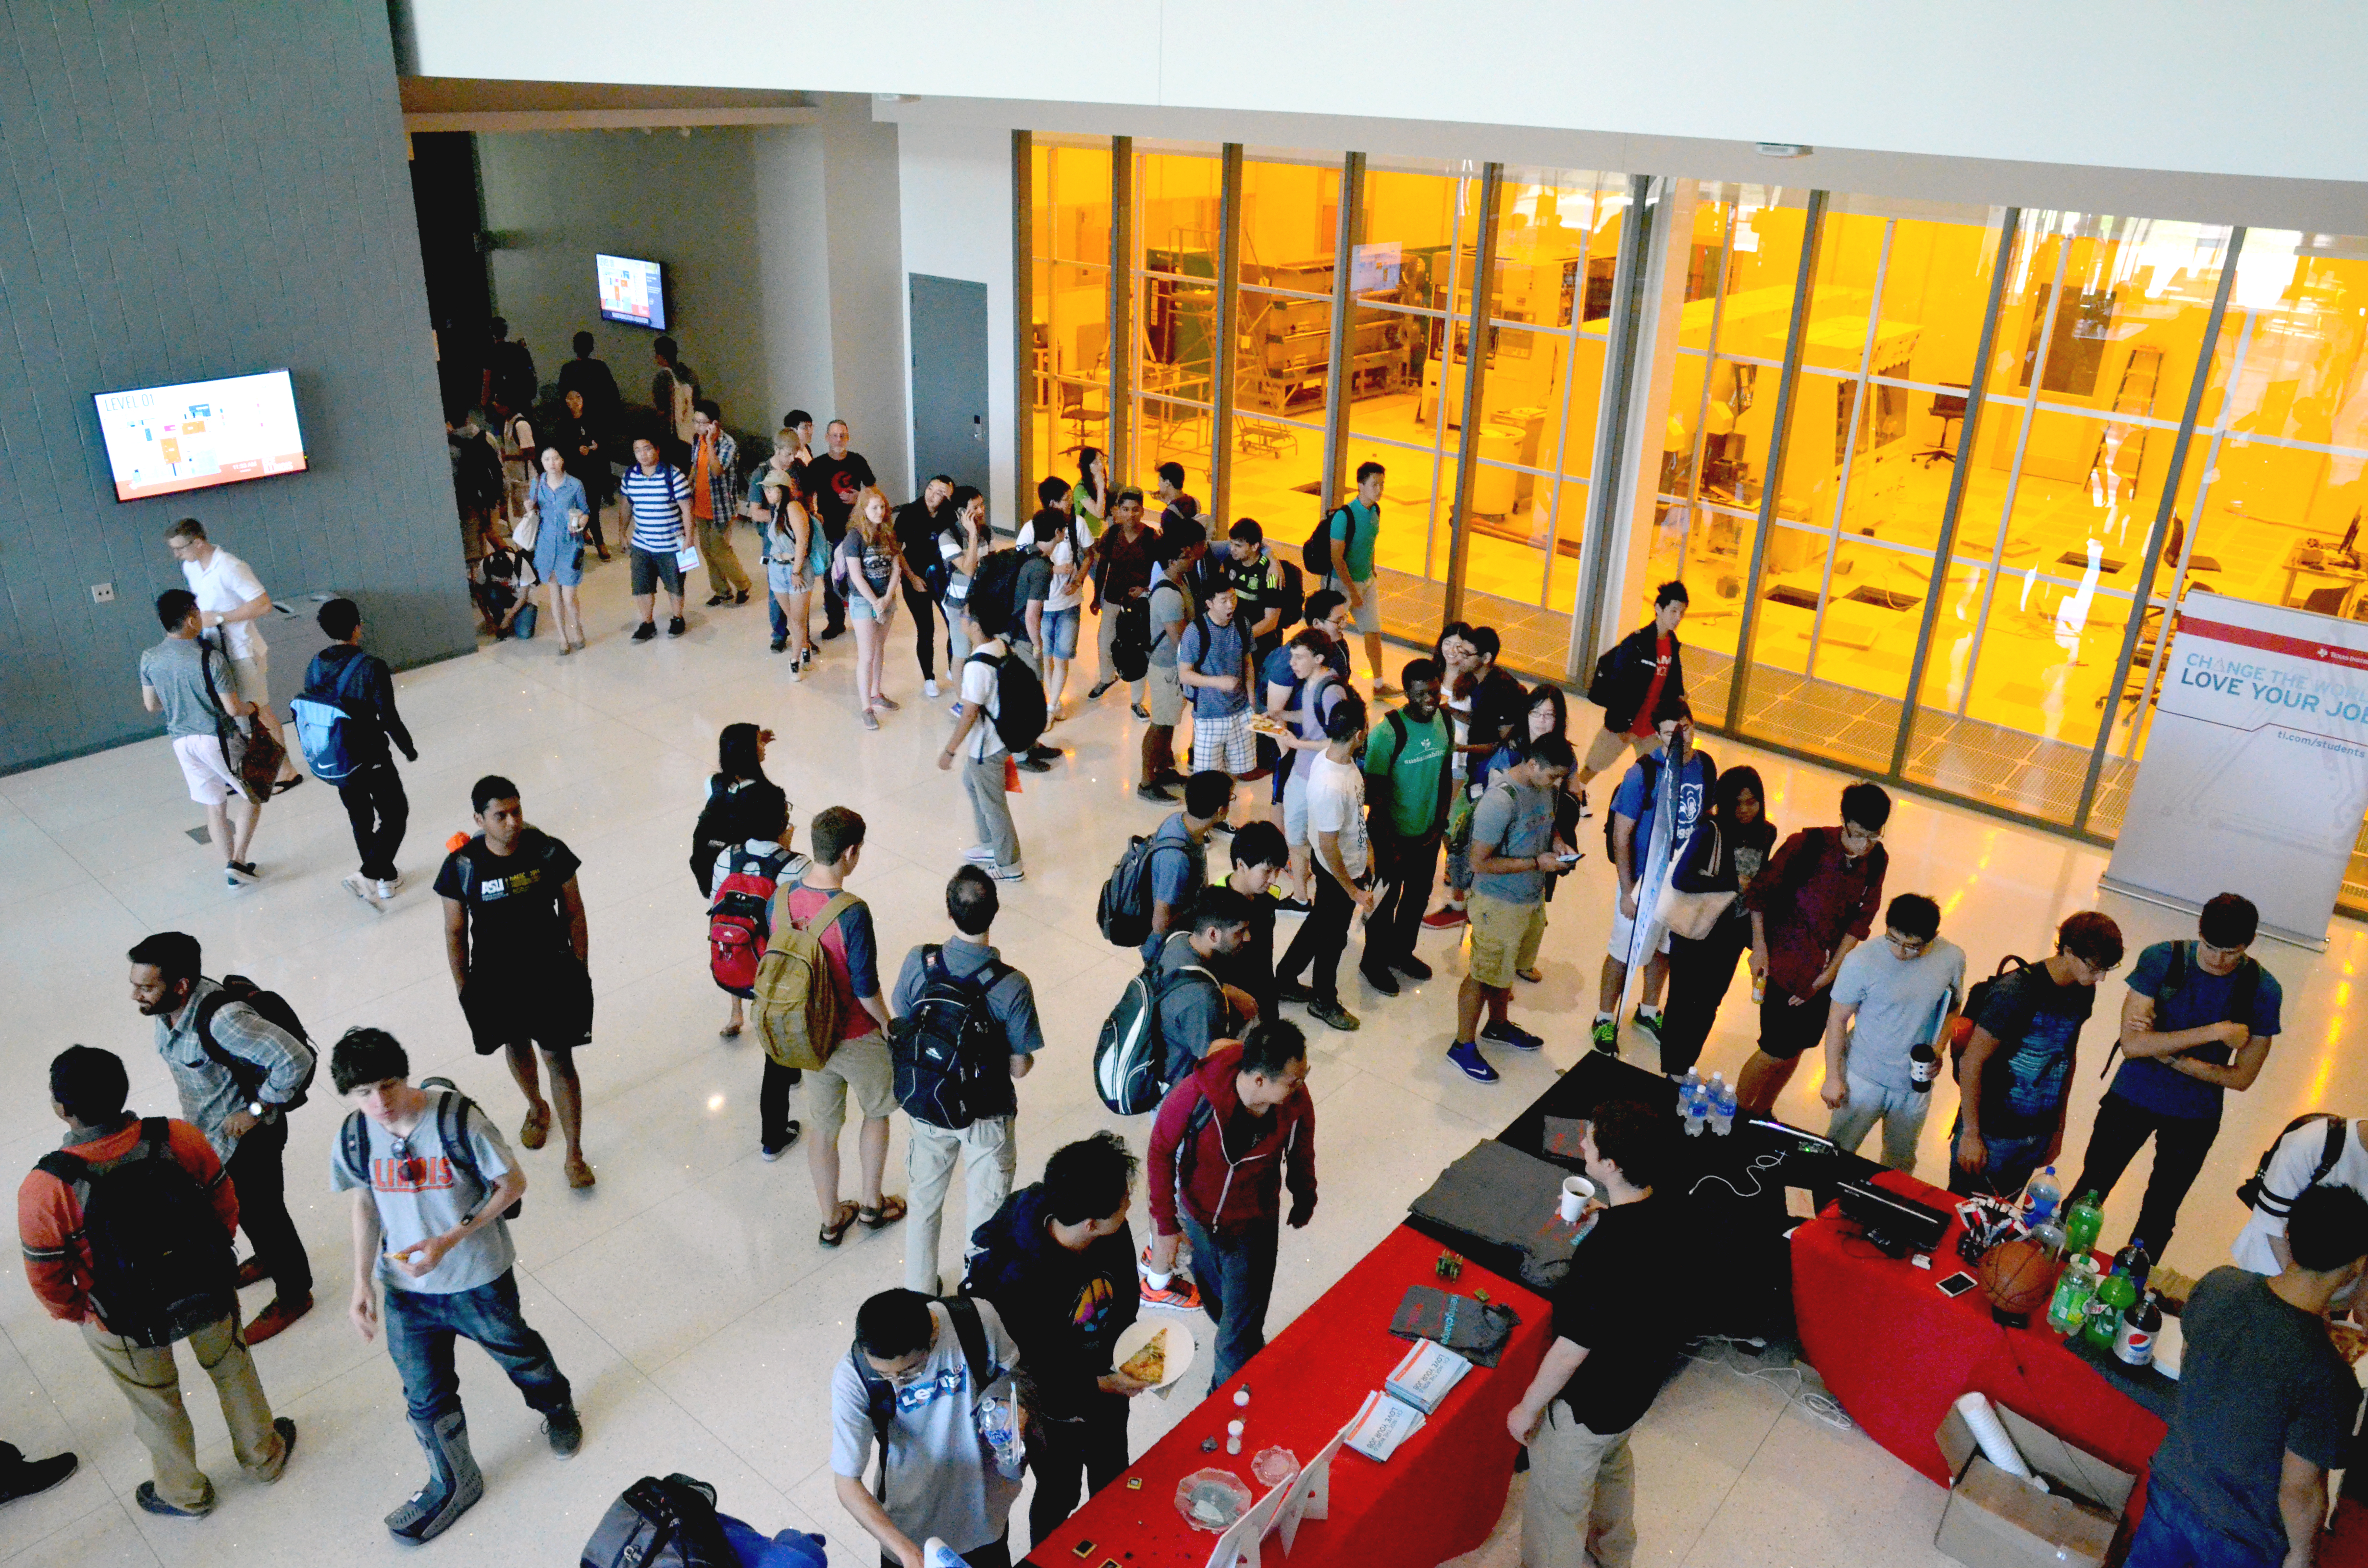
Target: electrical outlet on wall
[(102, 593)]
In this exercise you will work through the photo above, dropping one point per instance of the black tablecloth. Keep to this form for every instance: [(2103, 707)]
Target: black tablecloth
[(1729, 1193)]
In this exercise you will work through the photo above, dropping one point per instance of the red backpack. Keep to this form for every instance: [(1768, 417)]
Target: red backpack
[(740, 920)]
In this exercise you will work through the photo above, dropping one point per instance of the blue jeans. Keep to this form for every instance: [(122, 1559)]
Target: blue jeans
[(421, 1327), (1235, 1274), (2008, 1164), (2171, 1536)]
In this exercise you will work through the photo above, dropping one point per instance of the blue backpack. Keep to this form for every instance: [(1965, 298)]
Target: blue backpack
[(323, 727)]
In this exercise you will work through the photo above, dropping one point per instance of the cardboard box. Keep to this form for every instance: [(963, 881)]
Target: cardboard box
[(1997, 1520)]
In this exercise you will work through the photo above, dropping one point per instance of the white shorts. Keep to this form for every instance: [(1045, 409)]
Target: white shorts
[(1624, 933), (1294, 801), (252, 675), (211, 779)]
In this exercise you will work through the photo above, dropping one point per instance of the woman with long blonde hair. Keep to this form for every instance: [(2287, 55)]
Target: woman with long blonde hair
[(867, 567)]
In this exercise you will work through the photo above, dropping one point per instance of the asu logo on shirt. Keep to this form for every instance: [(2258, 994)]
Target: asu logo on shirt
[(512, 886)]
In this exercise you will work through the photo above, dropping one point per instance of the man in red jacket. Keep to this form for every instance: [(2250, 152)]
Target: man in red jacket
[(1227, 1141), (87, 1088)]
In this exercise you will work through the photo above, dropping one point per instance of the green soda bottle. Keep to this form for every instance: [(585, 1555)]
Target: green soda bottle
[(2082, 1222), (2114, 1294)]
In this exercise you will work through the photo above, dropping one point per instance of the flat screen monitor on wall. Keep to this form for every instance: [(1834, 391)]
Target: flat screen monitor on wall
[(632, 291), (201, 434)]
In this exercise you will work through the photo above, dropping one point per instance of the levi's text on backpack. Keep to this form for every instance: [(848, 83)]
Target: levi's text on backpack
[(950, 1050), (2254, 1193), (451, 1132), (162, 1264), (273, 1008), (660, 1524), (993, 591), (796, 1004), (1123, 911), (740, 922), (324, 728), (1318, 551), (1960, 1028), (1019, 712)]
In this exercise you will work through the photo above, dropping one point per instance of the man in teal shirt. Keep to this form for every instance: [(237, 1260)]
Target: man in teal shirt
[(1407, 788), (1355, 528)]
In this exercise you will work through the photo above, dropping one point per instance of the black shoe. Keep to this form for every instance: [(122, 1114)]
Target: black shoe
[(1170, 777), (1411, 967), (1292, 990), (1098, 688), (1332, 1013), (1381, 980), (1288, 905), (1030, 765), (1045, 753), (741, 597), (1140, 711), (1153, 792), (780, 643), (714, 600), (830, 631), (22, 1477), (673, 627), (565, 1430), (644, 631), (286, 1427)]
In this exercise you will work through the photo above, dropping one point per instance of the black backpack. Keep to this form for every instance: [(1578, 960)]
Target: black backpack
[(2254, 1191), (994, 592), (950, 1049), (274, 1009), (1652, 766), (660, 1524), (2245, 986), (1021, 712), (1318, 551), (1131, 1054), (162, 1262), (880, 1394), (1287, 591), (1123, 911), (451, 1129), (1131, 643), (1977, 996)]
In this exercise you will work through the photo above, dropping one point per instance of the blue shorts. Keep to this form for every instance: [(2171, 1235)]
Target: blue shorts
[(780, 576), (1061, 634)]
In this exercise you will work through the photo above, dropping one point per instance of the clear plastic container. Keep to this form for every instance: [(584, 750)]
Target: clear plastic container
[(1272, 1467), (1212, 1499)]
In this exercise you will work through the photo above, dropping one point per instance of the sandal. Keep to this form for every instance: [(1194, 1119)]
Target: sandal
[(891, 1209), (845, 1215), (281, 787), (729, 1031), (579, 1173), (1533, 975), (537, 1130)]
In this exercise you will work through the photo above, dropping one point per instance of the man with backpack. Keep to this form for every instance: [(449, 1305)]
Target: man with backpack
[(1407, 785), (1512, 856), (1055, 1261), (1273, 592), (2014, 1077), (1180, 544), (2198, 1022), (1229, 1140), (1637, 683), (127, 1231), (927, 1382), (1196, 1006), (989, 670), (965, 1029), (240, 1062), (740, 915), (1628, 841), (1213, 663), (1347, 565), (1259, 857), (434, 1188), (346, 721), (189, 680), (1176, 857), (1335, 830), (2318, 1150)]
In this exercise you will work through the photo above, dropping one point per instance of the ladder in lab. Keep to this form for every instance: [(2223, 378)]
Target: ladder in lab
[(2141, 376)]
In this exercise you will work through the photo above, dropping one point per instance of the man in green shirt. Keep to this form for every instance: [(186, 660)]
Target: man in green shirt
[(1406, 787), (1355, 528)]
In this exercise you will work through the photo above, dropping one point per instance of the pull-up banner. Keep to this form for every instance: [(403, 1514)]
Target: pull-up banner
[(2255, 777)]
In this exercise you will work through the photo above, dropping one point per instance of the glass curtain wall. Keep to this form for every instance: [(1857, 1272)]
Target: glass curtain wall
[(1069, 326), (1282, 360), (1173, 391)]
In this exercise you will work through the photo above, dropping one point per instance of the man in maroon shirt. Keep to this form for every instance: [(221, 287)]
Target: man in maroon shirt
[(1815, 902), (1119, 566)]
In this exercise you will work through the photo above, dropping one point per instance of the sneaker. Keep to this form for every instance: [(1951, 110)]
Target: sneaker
[(1100, 687), (1446, 917), (780, 644), (769, 1152), (1507, 1032), (890, 703), (1139, 710), (1012, 873), (674, 626), (231, 877), (1381, 980), (1153, 792), (928, 689), (246, 868), (870, 720), (1033, 765), (1606, 1036), (1179, 1295), (741, 597), (24, 1477), (147, 1499), (1465, 1054), (361, 887), (1292, 991), (1649, 1022), (979, 855), (1286, 905), (390, 886), (1332, 1013), (714, 600), (564, 1428), (644, 631), (1411, 967), (1052, 754)]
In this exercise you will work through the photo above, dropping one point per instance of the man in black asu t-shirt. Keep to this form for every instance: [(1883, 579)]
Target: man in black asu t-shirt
[(1619, 1323), (2015, 1080), (833, 481), (515, 938)]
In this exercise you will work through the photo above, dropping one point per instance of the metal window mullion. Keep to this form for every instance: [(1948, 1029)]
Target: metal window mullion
[(1446, 319), (1569, 378), (2178, 588), (1121, 351), (2145, 587), (1813, 223), (1475, 375), (1709, 367), (1605, 483), (1945, 544), (1023, 328), (1347, 236), (1225, 353), (1850, 446)]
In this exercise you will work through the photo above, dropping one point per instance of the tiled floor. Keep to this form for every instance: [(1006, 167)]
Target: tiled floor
[(685, 1295)]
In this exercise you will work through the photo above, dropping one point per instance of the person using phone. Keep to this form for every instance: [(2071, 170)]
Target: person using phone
[(1513, 859), (1674, 771)]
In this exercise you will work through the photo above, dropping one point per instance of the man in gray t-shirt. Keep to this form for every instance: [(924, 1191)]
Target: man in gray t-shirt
[(173, 681), (1196, 1007), (432, 1184), (1890, 997), (1180, 545), (1511, 855)]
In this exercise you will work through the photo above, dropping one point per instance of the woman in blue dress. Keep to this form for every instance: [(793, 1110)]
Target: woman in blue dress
[(563, 515)]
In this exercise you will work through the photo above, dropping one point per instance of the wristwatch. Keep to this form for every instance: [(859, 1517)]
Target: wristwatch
[(257, 1109)]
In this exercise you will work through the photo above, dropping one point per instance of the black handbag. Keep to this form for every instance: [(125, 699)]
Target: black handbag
[(660, 1524)]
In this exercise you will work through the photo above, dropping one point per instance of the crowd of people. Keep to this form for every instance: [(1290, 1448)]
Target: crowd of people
[(1339, 811)]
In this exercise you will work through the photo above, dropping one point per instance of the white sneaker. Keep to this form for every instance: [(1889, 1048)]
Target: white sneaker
[(928, 689), (360, 887), (979, 855), (390, 888), (1007, 873)]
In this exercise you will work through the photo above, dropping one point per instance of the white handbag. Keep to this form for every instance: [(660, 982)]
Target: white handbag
[(529, 528)]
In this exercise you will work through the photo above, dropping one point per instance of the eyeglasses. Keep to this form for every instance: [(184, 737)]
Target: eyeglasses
[(1906, 946), (410, 1170), (1851, 830)]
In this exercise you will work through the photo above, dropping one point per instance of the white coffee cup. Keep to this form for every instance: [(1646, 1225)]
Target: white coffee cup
[(1575, 1191)]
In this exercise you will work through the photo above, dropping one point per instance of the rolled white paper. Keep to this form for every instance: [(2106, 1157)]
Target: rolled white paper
[(1996, 1446)]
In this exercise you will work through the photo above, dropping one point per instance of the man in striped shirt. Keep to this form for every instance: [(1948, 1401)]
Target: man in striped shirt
[(657, 498)]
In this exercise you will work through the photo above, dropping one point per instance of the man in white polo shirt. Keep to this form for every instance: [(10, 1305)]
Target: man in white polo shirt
[(231, 601)]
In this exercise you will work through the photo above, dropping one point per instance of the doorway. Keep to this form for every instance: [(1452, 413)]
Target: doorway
[(949, 374)]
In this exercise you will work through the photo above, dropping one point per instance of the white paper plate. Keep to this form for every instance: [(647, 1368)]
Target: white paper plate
[(1181, 1346)]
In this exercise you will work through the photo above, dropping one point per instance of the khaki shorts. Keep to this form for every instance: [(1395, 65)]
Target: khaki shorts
[(252, 675), (1167, 699), (1605, 749), (860, 1065), (1505, 939)]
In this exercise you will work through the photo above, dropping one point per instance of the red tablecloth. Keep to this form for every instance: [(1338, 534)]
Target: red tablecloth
[(1896, 1353), (1438, 1496)]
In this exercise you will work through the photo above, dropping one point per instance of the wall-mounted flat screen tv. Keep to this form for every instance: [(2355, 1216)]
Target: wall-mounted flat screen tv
[(201, 434), (632, 290)]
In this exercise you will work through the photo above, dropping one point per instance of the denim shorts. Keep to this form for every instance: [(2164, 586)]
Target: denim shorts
[(1061, 634), (780, 576)]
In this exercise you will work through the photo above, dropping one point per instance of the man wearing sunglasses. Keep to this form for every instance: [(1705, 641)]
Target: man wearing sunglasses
[(1890, 997), (2015, 1080), (432, 1181)]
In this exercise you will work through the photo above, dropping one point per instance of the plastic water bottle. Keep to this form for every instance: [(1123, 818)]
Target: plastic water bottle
[(1693, 1102), (936, 1554), (1722, 1106), (2041, 1197), (997, 1425)]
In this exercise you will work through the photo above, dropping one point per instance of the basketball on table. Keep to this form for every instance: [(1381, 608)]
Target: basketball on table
[(2019, 1277)]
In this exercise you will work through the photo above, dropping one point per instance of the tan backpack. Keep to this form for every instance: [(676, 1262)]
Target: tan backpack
[(796, 1004)]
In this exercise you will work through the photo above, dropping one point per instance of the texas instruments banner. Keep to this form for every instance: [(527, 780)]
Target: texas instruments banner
[(2256, 774)]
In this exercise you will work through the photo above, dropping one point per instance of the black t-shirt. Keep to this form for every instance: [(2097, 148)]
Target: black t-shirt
[(1499, 705), (518, 914), (1623, 1300), (1185, 506), (833, 481), (2036, 1023), (917, 528), (1245, 1129)]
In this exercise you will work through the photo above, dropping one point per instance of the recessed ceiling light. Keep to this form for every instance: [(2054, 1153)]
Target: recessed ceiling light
[(1785, 149)]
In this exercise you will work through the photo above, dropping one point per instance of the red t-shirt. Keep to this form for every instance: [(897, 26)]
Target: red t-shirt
[(851, 949), (1644, 724)]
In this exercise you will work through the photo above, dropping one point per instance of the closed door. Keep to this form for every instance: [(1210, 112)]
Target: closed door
[(948, 380)]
